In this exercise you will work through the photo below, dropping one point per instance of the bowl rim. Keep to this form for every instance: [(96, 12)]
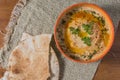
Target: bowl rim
[(109, 20)]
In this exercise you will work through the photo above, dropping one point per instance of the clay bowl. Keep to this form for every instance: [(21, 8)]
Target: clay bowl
[(59, 31)]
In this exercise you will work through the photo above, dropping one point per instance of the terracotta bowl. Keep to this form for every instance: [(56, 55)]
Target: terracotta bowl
[(59, 30)]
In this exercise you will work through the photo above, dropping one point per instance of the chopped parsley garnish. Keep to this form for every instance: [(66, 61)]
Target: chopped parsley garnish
[(102, 20), (104, 30), (74, 31), (87, 41), (93, 12), (94, 52), (88, 28), (91, 55)]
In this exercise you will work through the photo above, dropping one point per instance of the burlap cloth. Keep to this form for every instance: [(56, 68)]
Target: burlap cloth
[(39, 16)]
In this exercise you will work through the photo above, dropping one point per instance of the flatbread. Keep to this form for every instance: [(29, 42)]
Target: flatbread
[(29, 60), (20, 56)]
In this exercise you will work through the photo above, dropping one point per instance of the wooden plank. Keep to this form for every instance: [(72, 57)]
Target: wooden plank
[(6, 7)]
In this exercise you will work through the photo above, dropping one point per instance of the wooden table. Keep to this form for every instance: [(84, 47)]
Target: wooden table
[(6, 7), (109, 68)]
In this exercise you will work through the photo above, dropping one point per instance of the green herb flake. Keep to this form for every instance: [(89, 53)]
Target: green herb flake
[(102, 20), (91, 55), (74, 31), (87, 41), (88, 28), (93, 12), (104, 31), (94, 52), (84, 56)]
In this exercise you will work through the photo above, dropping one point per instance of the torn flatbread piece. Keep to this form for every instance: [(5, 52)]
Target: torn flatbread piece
[(29, 60)]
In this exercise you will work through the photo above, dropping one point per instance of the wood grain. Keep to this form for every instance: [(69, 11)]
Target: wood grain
[(6, 7)]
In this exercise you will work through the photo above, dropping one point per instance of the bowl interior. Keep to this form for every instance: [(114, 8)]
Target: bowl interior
[(61, 26), (60, 33)]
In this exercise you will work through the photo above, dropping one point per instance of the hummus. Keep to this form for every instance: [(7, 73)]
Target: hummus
[(86, 33)]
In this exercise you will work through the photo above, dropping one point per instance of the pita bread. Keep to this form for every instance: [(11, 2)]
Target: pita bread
[(53, 61), (29, 60)]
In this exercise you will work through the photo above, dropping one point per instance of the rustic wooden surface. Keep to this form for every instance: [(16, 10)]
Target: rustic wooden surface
[(6, 7), (109, 69)]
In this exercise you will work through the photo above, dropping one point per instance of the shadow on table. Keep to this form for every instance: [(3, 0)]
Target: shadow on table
[(59, 56), (115, 50)]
